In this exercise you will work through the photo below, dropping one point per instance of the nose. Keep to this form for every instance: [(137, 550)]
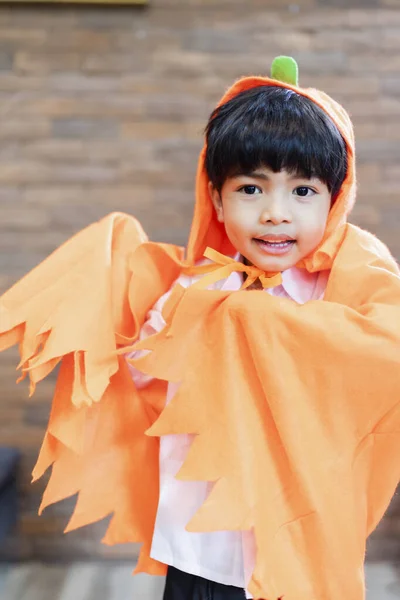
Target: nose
[(275, 211)]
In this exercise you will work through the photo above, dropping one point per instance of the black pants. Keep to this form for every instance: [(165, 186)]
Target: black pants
[(182, 586)]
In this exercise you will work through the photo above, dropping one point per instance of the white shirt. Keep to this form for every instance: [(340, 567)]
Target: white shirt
[(227, 557)]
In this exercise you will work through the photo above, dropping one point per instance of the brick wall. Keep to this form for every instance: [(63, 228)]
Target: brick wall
[(102, 109)]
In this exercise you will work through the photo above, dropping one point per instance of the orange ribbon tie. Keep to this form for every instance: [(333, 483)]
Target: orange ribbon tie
[(222, 266)]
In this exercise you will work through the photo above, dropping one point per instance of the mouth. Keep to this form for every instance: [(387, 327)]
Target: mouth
[(275, 244)]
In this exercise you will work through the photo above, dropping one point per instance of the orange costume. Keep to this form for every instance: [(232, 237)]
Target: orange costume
[(296, 408)]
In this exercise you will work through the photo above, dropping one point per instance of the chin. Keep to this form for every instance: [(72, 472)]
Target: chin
[(271, 263), (274, 265)]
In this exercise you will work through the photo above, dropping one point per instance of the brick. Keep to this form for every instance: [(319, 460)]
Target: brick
[(76, 150), (115, 197), (6, 61), (368, 173), (241, 40), (24, 129), (142, 83), (365, 215), (44, 63), (365, 129), (15, 262), (177, 153), (366, 40), (84, 128), (386, 188), (115, 63), (23, 437), (80, 40), (390, 85), (344, 85), (9, 195), (5, 15), (314, 20), (207, 40), (379, 108), (36, 415), (157, 174), (379, 150), (29, 243), (145, 39), (390, 39), (380, 126), (48, 18), (28, 172), (63, 217), (347, 3), (360, 63), (91, 106), (14, 217), (272, 4), (160, 130), (195, 64), (80, 82), (391, 172), (11, 414), (390, 222), (326, 62), (25, 37), (12, 173), (176, 107), (389, 129), (387, 17), (10, 82), (102, 18)]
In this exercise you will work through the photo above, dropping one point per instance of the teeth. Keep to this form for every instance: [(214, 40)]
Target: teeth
[(277, 243)]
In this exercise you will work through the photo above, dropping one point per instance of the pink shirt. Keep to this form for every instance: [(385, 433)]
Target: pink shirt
[(226, 557)]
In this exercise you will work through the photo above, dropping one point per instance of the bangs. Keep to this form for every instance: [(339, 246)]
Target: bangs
[(276, 128)]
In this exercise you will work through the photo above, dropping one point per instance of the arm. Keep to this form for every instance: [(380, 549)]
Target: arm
[(154, 324)]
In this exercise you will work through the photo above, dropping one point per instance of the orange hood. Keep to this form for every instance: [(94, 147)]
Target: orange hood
[(207, 231)]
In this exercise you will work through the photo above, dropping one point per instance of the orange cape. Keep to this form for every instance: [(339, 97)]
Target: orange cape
[(296, 407)]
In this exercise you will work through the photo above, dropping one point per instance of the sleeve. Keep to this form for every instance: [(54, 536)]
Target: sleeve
[(154, 324), (76, 310)]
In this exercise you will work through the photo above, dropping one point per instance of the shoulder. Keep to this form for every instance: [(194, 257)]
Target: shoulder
[(363, 271), (365, 247), (183, 280)]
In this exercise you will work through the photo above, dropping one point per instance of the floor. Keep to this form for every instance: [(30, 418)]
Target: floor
[(102, 581)]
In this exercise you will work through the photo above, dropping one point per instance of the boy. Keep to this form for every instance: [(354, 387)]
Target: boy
[(271, 416)]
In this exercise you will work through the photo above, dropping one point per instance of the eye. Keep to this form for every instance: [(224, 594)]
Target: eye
[(250, 190), (304, 191)]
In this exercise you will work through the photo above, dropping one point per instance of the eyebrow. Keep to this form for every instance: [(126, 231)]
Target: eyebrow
[(254, 174)]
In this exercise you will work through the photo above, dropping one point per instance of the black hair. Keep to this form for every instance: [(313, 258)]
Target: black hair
[(278, 128)]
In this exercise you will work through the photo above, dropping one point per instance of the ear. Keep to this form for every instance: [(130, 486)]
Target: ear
[(217, 201)]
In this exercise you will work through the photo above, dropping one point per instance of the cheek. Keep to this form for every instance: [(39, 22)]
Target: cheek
[(236, 227), (313, 228), (238, 216), (233, 229)]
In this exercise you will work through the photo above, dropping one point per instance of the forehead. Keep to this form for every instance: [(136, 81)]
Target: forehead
[(265, 173)]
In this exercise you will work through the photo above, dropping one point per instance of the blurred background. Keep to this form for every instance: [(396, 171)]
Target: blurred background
[(102, 109)]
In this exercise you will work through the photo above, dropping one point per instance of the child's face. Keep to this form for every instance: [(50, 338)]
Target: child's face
[(273, 219)]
